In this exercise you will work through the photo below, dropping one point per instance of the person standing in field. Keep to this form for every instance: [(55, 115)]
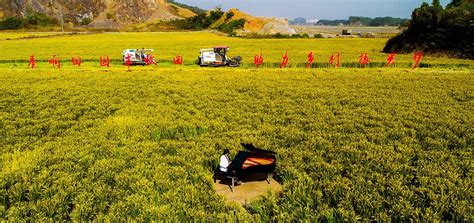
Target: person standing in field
[(142, 53), (224, 161)]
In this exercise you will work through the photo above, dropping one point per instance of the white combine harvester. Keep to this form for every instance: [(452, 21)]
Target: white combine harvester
[(217, 57)]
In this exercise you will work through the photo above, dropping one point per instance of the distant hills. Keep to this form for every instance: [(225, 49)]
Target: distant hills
[(352, 21)]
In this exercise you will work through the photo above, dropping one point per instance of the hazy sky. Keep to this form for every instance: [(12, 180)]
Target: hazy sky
[(317, 9)]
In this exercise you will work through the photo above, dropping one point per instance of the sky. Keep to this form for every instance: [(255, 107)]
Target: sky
[(316, 9)]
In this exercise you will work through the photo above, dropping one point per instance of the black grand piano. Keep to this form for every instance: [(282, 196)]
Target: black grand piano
[(249, 162)]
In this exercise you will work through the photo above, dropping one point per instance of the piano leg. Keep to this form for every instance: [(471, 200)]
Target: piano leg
[(232, 186)]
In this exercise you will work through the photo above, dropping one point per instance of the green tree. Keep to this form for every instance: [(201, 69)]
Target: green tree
[(433, 29), (11, 23)]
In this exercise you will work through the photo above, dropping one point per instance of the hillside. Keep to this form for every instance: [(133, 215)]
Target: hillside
[(254, 24), (100, 12)]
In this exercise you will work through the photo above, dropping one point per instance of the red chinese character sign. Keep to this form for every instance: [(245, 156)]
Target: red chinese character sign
[(149, 60), (284, 63), (310, 60), (32, 62), (258, 60), (76, 61), (390, 59), (178, 60), (364, 59), (104, 61), (336, 59), (417, 59), (55, 61), (128, 61)]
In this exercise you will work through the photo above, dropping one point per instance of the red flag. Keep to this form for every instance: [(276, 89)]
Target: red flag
[(284, 63), (338, 63), (310, 60)]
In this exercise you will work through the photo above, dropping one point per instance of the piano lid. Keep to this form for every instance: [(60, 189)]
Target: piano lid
[(252, 148)]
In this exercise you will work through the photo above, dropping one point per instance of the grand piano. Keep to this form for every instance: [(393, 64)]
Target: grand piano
[(250, 162)]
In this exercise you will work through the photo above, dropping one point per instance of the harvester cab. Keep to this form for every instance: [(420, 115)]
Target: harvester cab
[(136, 56), (217, 57)]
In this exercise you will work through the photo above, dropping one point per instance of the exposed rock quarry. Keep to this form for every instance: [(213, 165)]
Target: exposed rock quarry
[(116, 14), (261, 25), (116, 11)]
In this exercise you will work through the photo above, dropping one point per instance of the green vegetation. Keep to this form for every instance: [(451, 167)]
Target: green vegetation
[(364, 21), (33, 19), (194, 9), (85, 21), (433, 29), (11, 23), (378, 21), (200, 21), (206, 20)]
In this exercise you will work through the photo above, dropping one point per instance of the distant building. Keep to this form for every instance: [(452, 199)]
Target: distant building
[(312, 21)]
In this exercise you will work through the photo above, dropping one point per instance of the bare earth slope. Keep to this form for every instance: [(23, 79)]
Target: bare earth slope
[(117, 11), (261, 25)]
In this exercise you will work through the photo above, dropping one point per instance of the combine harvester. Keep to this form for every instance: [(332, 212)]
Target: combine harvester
[(217, 57)]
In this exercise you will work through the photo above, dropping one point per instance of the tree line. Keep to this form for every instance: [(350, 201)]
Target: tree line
[(31, 20), (354, 21), (437, 30)]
